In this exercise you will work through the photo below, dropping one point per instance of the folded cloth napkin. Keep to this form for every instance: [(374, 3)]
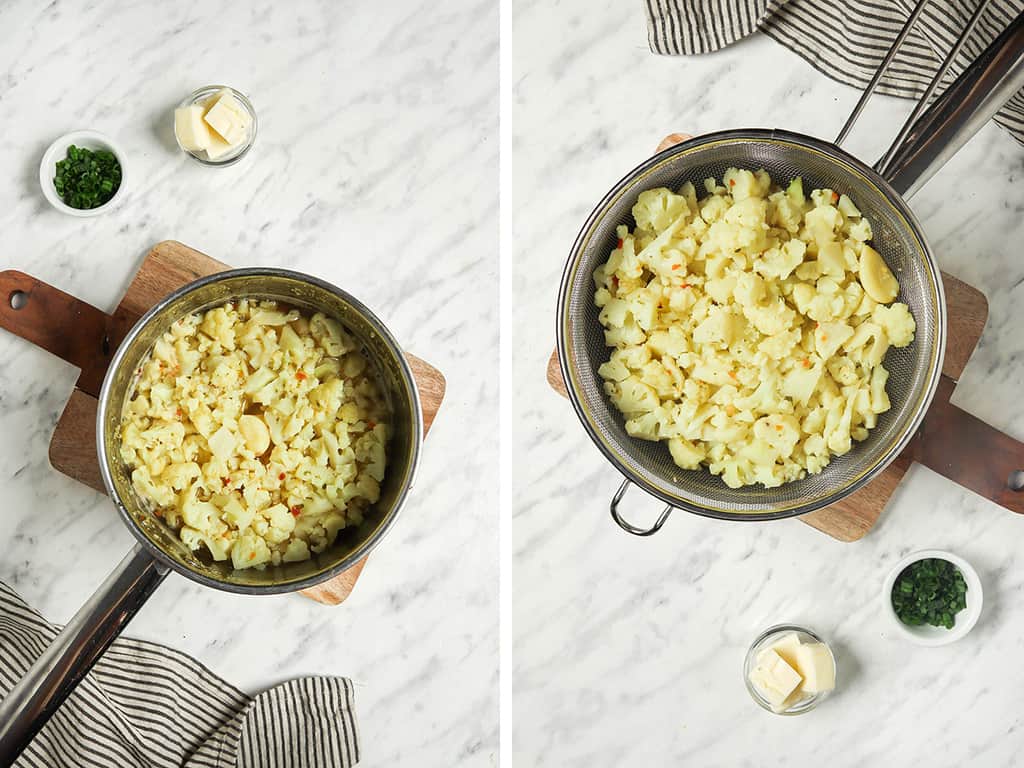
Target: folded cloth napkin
[(147, 706), (845, 41)]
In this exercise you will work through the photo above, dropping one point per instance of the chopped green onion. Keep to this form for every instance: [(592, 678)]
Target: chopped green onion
[(86, 178), (930, 591)]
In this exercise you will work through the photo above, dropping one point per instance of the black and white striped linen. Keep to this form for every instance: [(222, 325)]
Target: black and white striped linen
[(844, 40), (147, 706)]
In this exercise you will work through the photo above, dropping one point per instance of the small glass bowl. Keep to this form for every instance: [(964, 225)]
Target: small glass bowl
[(239, 152), (764, 640)]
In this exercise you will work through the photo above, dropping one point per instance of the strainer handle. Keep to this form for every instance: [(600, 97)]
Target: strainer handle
[(962, 110), (629, 527), (882, 68)]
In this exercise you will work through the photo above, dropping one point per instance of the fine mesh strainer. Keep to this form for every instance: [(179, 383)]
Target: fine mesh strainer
[(930, 137)]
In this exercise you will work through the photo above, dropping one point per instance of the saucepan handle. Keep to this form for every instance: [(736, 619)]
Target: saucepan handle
[(54, 675), (629, 527)]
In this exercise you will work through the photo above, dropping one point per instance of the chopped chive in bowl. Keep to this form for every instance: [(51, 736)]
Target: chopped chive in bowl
[(929, 591), (87, 178)]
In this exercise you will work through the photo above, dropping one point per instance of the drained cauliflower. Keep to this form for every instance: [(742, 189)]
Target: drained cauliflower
[(749, 327)]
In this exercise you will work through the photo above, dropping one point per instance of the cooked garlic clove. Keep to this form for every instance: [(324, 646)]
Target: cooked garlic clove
[(255, 433)]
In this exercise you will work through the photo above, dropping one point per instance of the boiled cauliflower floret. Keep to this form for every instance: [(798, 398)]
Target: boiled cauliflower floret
[(656, 209), (249, 418), (897, 322), (748, 327)]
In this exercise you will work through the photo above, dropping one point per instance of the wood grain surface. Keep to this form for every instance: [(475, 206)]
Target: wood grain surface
[(86, 337), (28, 308), (970, 452), (941, 442)]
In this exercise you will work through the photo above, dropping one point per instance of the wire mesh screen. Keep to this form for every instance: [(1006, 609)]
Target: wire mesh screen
[(914, 369)]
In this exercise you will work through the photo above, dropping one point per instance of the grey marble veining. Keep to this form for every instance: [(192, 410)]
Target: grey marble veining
[(376, 168), (625, 651)]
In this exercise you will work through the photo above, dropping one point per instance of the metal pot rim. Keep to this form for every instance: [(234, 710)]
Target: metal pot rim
[(353, 557)]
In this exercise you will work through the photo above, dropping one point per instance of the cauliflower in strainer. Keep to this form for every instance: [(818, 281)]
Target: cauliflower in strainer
[(749, 328)]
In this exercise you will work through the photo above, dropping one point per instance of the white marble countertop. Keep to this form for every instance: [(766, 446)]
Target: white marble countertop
[(375, 168), (628, 652)]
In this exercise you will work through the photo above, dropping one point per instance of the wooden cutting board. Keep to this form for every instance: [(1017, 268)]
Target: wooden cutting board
[(950, 441), (87, 338)]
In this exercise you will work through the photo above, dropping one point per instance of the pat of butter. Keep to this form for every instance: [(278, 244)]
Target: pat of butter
[(786, 646), (190, 128), (774, 678), (218, 147), (814, 663), (229, 119)]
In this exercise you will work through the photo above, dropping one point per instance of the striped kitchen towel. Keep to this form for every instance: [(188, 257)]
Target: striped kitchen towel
[(147, 706), (844, 40)]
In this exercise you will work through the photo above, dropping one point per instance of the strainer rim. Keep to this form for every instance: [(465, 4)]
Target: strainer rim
[(836, 155)]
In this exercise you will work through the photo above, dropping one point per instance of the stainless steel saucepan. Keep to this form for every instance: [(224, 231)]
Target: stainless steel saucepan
[(159, 550), (931, 136)]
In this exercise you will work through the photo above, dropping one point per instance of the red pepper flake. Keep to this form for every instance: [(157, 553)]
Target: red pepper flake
[(371, 424), (252, 555), (732, 182), (807, 363), (615, 281), (300, 375), (158, 512), (281, 476), (296, 510), (685, 285), (732, 374), (177, 412), (619, 243), (835, 197), (225, 480), (676, 266)]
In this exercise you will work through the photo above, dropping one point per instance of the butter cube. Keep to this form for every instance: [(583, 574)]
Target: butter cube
[(217, 147), (774, 678), (229, 119), (814, 664), (190, 128), (786, 646)]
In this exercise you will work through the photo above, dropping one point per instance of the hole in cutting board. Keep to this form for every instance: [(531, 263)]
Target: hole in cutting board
[(1016, 480), (18, 299)]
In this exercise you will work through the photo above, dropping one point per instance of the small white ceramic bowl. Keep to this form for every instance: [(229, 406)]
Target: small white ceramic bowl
[(927, 634), (59, 150)]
